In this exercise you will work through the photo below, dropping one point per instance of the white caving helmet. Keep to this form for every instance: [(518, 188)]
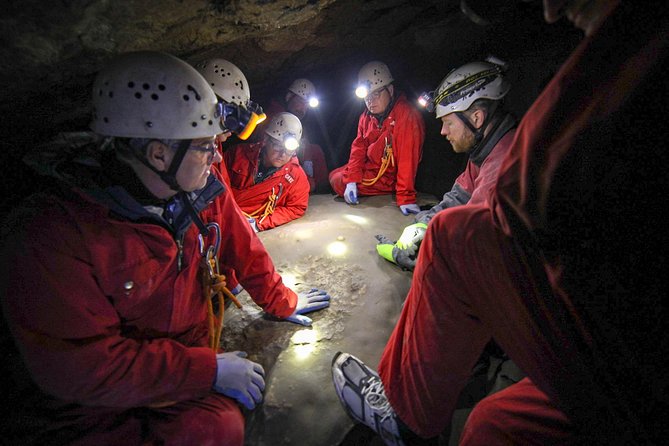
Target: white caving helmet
[(287, 129), (226, 79), (150, 94), (371, 77), (305, 89), (464, 85)]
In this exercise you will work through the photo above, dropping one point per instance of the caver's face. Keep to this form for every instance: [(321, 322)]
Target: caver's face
[(378, 101), (297, 106), (196, 164), (584, 14), (457, 133), (275, 154)]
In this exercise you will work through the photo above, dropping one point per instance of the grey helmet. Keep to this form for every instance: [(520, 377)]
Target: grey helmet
[(150, 94)]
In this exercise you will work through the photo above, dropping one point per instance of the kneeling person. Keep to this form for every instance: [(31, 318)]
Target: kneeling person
[(469, 103), (267, 180)]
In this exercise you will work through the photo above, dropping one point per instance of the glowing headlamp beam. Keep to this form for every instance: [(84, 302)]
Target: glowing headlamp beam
[(362, 91)]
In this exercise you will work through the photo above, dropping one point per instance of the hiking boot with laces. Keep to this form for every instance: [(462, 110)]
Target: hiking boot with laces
[(361, 392)]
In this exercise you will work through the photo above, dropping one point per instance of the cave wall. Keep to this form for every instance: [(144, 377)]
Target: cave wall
[(52, 50)]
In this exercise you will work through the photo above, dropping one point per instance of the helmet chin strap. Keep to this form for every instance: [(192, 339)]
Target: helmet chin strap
[(478, 132), (170, 178)]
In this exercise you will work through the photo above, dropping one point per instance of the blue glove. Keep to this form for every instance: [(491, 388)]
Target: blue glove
[(409, 208), (254, 225), (307, 302), (238, 289), (308, 167), (239, 378), (351, 193)]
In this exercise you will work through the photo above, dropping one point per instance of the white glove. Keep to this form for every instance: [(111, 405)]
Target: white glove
[(351, 193), (239, 378), (409, 208), (307, 302)]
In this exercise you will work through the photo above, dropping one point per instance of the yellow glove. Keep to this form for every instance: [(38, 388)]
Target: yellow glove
[(411, 236)]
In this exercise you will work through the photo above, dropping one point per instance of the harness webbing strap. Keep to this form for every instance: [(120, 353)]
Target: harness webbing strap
[(388, 159)]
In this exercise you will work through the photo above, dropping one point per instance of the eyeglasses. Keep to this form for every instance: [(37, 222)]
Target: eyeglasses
[(375, 95), (210, 148), (281, 149)]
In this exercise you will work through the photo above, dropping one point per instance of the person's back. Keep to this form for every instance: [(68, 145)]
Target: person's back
[(588, 197)]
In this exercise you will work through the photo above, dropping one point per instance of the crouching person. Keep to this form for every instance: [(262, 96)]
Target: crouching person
[(107, 281), (267, 180)]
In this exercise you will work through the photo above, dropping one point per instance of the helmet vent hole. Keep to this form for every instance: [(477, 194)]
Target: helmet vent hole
[(131, 84), (154, 97), (186, 98), (161, 87), (106, 120), (138, 95), (146, 86), (193, 124), (197, 95), (149, 124)]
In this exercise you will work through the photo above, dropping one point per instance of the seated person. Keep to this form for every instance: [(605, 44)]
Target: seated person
[(385, 153), (267, 180), (475, 123), (300, 97)]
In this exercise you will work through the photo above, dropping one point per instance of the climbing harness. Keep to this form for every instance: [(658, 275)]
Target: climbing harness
[(386, 159), (267, 208), (214, 286)]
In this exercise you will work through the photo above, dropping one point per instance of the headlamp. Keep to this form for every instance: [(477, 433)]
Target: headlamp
[(363, 90), (240, 120), (313, 102), (426, 100), (290, 142)]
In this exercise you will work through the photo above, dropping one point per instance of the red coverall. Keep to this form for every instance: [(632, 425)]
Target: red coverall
[(310, 152), (404, 128), (289, 183), (564, 269), (109, 329)]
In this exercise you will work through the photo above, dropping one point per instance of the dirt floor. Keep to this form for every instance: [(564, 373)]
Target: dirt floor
[(333, 248)]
